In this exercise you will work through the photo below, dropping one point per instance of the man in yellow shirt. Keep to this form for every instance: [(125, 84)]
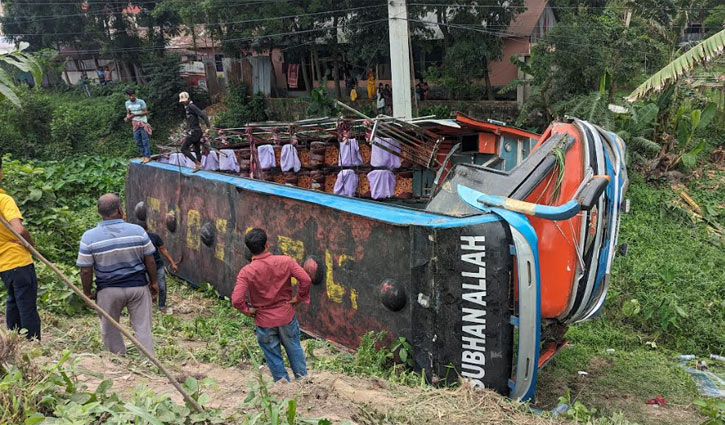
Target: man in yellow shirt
[(17, 270)]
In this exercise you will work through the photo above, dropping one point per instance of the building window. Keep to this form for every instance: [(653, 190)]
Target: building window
[(219, 64)]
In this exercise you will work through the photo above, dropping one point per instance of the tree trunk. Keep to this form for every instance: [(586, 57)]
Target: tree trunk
[(487, 77), (441, 18), (336, 76), (336, 61), (126, 71), (306, 75), (193, 37), (317, 65), (140, 80)]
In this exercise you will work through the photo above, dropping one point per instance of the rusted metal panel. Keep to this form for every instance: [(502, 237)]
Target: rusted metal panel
[(387, 268)]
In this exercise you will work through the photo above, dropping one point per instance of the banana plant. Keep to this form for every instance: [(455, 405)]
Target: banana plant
[(686, 122), (24, 62), (637, 127), (704, 52)]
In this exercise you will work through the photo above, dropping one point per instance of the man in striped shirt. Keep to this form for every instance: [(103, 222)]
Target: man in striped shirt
[(120, 255)]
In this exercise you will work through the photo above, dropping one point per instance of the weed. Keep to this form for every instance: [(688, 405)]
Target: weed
[(713, 409)]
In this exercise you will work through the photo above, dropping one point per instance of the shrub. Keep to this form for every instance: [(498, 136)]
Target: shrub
[(52, 125), (241, 109), (58, 198), (25, 131)]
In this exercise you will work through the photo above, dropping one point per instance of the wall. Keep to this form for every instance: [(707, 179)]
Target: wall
[(503, 72), (290, 109)]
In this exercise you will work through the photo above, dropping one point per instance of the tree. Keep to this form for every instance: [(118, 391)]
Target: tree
[(583, 54), (46, 26), (472, 32)]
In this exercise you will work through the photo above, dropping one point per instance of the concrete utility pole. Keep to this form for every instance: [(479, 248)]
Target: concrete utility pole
[(400, 58)]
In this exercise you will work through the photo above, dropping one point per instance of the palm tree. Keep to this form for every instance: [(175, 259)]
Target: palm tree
[(704, 52), (16, 59)]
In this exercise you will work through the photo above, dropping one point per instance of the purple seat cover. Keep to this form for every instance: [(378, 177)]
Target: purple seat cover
[(350, 154), (382, 184), (228, 161), (180, 159), (210, 162), (382, 158), (289, 160), (346, 183), (265, 153)]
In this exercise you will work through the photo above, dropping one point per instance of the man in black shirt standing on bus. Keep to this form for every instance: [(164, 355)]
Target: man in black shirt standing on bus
[(193, 113)]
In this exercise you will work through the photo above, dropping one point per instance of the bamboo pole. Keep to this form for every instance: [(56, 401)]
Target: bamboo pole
[(103, 313)]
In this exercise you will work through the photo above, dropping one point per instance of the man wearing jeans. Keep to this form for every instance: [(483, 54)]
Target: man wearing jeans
[(137, 114), (120, 254), (267, 283), (17, 270)]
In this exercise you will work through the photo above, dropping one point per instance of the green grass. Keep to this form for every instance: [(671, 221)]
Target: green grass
[(675, 270)]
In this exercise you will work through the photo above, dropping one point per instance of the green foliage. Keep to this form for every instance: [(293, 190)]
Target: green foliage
[(241, 109), (704, 52), (51, 393), (17, 60), (439, 111), (469, 46), (51, 125), (320, 103), (713, 409), (58, 198), (272, 411), (577, 411), (572, 58), (372, 358), (637, 127), (161, 93), (667, 254)]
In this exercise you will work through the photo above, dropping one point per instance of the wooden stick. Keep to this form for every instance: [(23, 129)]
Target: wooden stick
[(103, 313)]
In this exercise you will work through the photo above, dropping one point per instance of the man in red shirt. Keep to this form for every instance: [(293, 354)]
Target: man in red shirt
[(267, 282)]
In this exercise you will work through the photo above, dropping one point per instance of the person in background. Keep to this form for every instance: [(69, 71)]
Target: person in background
[(421, 90), (17, 270), (160, 268), (137, 114), (264, 291), (348, 82), (371, 85), (101, 76), (120, 255), (388, 99), (353, 88), (380, 99), (84, 84), (193, 113), (107, 74)]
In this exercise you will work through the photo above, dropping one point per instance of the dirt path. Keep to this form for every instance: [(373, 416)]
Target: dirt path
[(323, 394)]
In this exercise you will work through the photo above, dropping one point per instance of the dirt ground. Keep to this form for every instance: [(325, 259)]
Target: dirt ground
[(323, 394)]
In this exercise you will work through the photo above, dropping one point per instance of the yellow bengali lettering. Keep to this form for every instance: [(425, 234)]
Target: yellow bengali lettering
[(335, 291), (221, 230), (193, 227), (292, 247), (153, 213), (353, 298)]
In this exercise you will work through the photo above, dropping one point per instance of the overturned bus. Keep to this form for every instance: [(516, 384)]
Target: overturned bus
[(477, 242)]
